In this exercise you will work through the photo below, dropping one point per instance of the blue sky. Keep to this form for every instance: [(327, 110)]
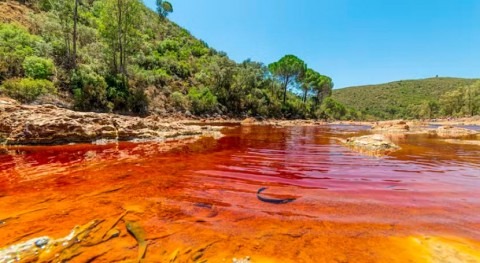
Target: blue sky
[(355, 42)]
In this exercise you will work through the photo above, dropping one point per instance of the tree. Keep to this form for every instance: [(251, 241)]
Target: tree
[(452, 102), (332, 109), (75, 22), (472, 99), (324, 88), (308, 80), (120, 24), (164, 8), (320, 84), (63, 10), (428, 109), (288, 70)]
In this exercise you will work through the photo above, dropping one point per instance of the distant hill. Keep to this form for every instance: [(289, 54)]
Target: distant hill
[(396, 99)]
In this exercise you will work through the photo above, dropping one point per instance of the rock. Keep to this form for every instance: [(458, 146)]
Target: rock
[(8, 101), (248, 121), (47, 249), (391, 126), (372, 144), (241, 260), (454, 132), (49, 124)]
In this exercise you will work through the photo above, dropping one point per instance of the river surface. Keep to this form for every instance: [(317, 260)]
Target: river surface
[(198, 202)]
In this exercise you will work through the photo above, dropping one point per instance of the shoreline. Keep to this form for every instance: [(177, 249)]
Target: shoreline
[(51, 125)]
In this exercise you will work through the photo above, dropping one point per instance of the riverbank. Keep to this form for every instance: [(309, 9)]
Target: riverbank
[(49, 125), (52, 125)]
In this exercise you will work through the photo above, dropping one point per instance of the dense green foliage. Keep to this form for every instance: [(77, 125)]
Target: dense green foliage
[(16, 43), (464, 101), (38, 68), (289, 71), (425, 98), (118, 55), (27, 89)]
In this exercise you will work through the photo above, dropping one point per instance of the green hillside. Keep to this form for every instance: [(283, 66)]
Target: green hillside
[(120, 56), (399, 99)]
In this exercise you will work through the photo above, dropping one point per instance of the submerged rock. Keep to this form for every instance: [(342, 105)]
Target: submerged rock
[(47, 249), (48, 124), (372, 144)]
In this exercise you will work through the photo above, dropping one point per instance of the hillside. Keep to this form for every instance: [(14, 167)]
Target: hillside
[(120, 56), (397, 99)]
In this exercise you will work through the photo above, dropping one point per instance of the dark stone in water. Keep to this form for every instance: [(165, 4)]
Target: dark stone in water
[(41, 242)]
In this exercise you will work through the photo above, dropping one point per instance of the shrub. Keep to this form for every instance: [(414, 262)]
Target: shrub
[(203, 100), (27, 89), (90, 90), (38, 68), (199, 50), (15, 44), (179, 101), (168, 45), (331, 110), (138, 101), (158, 77)]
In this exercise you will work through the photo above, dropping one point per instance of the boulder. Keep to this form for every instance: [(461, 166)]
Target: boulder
[(391, 126), (375, 144), (453, 132)]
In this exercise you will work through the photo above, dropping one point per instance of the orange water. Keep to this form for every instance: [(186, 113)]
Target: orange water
[(198, 202)]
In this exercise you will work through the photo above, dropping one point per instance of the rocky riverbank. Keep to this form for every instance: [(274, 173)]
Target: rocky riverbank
[(48, 124)]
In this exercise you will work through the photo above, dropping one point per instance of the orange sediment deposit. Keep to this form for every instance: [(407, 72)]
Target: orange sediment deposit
[(440, 249), (197, 201)]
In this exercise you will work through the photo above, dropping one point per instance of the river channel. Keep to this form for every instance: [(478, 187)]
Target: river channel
[(198, 201)]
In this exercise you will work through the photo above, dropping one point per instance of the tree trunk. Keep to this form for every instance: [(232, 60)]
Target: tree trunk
[(120, 38), (75, 20), (285, 90)]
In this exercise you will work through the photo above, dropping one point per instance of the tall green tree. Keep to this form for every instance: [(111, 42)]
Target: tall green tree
[(318, 83), (120, 25), (75, 34), (64, 11), (164, 8), (427, 109), (307, 81), (452, 102), (288, 70), (323, 88)]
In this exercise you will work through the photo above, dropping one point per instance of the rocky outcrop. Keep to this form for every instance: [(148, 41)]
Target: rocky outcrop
[(48, 124), (453, 132), (391, 126), (375, 144)]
